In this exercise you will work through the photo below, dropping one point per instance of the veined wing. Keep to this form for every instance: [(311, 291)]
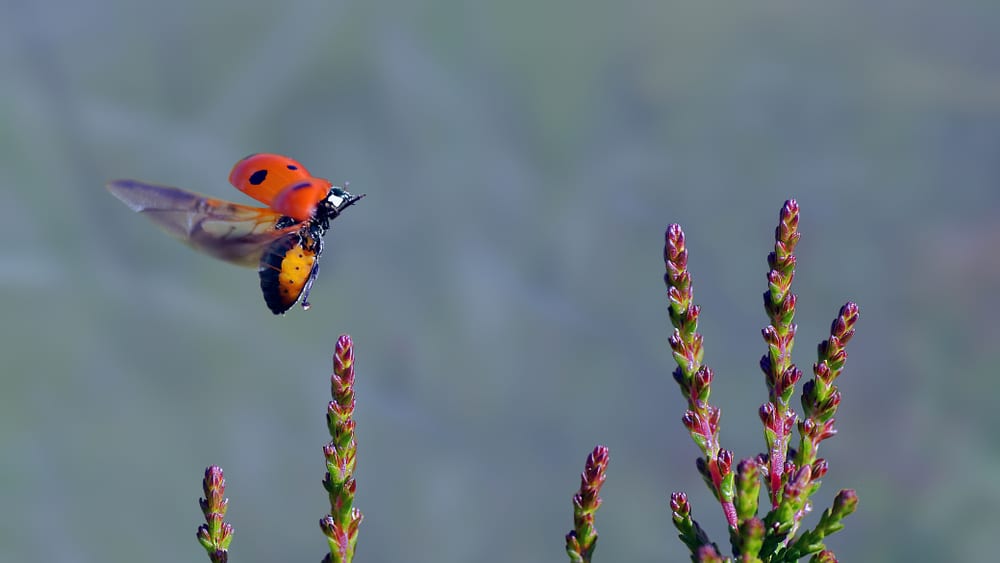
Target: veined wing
[(228, 231)]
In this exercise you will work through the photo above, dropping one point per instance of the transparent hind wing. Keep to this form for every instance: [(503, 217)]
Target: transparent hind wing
[(227, 231)]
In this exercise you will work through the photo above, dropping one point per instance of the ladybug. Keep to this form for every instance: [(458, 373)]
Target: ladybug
[(283, 240)]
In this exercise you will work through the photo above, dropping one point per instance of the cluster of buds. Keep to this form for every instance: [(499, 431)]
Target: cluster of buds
[(340, 526), (693, 377), (790, 476), (215, 534), (780, 374), (820, 397), (582, 539)]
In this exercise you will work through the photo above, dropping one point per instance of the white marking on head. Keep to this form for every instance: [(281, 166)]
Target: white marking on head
[(336, 200)]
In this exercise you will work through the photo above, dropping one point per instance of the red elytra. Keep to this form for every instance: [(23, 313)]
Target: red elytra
[(281, 183), (299, 201), (262, 176)]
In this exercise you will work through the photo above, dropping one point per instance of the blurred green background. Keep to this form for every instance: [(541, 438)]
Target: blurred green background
[(502, 281)]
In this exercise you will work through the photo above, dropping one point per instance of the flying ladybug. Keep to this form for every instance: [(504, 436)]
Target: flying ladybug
[(283, 240)]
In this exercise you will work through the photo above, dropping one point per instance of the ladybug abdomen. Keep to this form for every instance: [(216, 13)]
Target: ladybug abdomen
[(287, 270)]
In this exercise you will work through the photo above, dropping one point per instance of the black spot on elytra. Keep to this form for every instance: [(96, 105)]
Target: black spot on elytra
[(257, 178), (292, 167)]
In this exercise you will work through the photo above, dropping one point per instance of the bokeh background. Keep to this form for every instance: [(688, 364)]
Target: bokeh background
[(502, 280)]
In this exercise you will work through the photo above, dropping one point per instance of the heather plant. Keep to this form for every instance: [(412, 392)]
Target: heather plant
[(340, 525), (790, 475)]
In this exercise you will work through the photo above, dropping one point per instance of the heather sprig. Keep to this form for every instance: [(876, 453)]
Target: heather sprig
[(820, 397), (690, 532), (582, 539), (215, 534), (789, 475), (811, 541), (340, 526), (780, 374), (694, 378)]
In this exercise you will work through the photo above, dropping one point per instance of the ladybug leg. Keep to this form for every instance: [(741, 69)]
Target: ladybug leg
[(314, 242), (305, 291)]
